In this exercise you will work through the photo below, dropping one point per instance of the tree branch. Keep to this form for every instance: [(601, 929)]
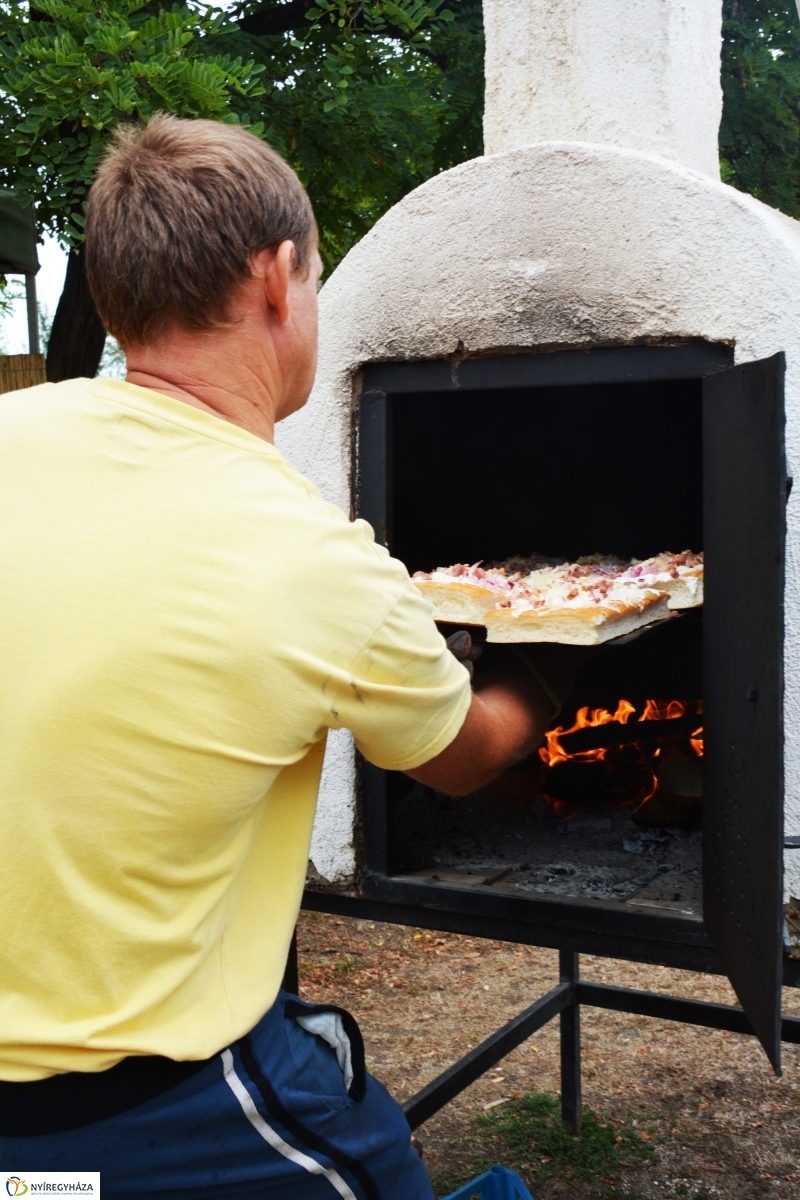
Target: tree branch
[(277, 18), (291, 18)]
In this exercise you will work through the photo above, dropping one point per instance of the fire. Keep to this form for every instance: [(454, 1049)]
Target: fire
[(696, 739), (552, 753), (656, 710)]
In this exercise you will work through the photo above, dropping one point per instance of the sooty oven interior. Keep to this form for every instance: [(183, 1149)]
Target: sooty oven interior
[(659, 800), (566, 471)]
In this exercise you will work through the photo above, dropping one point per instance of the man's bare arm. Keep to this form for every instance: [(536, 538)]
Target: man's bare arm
[(505, 723)]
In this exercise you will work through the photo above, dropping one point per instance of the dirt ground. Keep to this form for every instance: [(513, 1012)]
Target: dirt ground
[(721, 1123)]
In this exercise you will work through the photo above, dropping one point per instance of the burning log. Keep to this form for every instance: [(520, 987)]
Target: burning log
[(646, 733), (594, 732), (652, 762), (623, 776)]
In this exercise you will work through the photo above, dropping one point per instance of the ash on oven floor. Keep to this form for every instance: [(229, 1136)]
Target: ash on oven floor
[(510, 847)]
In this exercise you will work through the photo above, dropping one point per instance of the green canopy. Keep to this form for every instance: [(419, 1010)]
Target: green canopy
[(17, 234)]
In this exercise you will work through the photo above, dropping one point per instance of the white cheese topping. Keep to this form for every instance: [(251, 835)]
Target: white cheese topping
[(592, 592)]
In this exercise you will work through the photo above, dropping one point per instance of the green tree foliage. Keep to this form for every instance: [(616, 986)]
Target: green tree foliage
[(760, 132), (367, 100), (73, 69)]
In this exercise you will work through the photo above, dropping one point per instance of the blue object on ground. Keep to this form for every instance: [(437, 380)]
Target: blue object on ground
[(497, 1184)]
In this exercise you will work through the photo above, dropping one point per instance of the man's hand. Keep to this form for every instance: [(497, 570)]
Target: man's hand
[(462, 647), (506, 722)]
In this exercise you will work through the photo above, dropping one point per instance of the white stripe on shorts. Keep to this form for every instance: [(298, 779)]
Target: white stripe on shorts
[(275, 1140)]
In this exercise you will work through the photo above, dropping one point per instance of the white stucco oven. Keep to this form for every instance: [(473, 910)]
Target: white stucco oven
[(593, 246)]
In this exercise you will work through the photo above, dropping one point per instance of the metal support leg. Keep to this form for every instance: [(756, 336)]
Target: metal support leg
[(290, 982), (453, 1081), (33, 314), (571, 1103)]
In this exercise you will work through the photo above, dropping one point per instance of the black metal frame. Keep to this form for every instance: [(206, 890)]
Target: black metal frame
[(594, 927), (372, 473), (572, 927), (563, 1001)]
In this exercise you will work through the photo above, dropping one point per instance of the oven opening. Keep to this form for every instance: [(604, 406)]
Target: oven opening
[(610, 808)]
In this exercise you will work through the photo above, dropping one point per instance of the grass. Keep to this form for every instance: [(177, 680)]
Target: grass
[(526, 1135), (345, 967)]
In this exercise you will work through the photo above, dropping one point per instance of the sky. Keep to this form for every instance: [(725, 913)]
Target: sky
[(49, 282)]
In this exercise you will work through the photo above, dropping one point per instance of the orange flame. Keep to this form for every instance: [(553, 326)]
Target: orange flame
[(651, 793), (696, 739), (657, 710), (553, 753)]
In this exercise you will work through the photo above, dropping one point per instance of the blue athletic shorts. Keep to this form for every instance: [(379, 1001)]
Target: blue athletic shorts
[(284, 1114)]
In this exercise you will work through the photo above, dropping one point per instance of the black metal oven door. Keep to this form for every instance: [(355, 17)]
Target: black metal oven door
[(744, 534)]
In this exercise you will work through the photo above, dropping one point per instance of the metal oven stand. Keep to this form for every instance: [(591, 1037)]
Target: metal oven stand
[(563, 1001)]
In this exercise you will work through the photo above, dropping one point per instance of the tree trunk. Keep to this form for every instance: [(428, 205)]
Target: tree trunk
[(77, 337)]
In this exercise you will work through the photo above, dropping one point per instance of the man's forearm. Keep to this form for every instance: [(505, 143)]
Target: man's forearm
[(505, 723)]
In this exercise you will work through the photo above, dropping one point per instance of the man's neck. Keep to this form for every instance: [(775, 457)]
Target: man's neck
[(207, 375)]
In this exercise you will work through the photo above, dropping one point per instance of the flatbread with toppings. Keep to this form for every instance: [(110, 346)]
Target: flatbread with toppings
[(543, 599), (462, 594), (578, 612), (679, 575)]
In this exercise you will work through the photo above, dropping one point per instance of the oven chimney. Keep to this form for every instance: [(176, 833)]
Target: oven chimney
[(639, 74)]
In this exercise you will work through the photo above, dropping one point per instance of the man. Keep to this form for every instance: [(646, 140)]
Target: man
[(183, 618)]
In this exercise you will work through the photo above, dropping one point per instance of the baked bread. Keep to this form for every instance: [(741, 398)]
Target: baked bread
[(583, 613), (679, 575), (584, 603), (461, 602), (462, 594)]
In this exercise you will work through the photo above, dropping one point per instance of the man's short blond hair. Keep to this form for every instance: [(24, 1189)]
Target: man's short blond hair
[(176, 212)]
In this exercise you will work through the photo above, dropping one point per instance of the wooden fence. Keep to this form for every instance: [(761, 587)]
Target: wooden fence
[(21, 371)]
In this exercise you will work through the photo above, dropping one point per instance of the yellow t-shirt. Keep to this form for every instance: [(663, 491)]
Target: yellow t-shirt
[(182, 619)]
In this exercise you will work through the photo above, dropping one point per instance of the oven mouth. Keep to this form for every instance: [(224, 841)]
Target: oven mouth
[(569, 469)]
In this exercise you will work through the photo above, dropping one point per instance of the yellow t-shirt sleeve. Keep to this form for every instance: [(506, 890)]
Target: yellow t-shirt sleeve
[(405, 696)]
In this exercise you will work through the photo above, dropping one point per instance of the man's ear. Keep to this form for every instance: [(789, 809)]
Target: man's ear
[(275, 265)]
